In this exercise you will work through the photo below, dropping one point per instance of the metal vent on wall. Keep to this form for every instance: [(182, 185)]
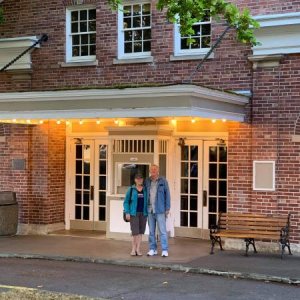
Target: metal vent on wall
[(133, 146)]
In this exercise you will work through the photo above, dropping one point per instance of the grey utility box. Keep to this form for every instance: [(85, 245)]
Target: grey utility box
[(8, 213)]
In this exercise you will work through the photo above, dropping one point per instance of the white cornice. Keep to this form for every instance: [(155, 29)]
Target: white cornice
[(101, 94), (278, 19)]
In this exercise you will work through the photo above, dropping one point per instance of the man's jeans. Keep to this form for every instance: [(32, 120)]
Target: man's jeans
[(160, 219)]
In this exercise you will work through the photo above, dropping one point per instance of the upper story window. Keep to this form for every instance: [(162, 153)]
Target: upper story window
[(81, 34), (134, 26), (201, 38)]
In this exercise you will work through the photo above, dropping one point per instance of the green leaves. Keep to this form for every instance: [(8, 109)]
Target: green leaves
[(187, 12)]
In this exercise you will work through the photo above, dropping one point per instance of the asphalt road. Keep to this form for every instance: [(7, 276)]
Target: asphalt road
[(115, 282)]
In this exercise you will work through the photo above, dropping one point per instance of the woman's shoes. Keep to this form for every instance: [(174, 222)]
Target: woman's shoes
[(136, 253)]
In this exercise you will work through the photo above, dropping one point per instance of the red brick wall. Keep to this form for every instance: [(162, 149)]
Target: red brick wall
[(40, 187), (275, 104)]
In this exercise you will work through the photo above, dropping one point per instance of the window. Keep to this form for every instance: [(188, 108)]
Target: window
[(201, 39), (134, 31), (81, 34)]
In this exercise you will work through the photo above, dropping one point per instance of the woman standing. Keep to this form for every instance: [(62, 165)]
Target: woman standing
[(136, 209)]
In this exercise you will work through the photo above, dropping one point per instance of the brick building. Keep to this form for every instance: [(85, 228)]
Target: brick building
[(110, 93)]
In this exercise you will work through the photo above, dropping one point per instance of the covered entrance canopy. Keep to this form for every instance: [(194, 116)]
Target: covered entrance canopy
[(172, 101)]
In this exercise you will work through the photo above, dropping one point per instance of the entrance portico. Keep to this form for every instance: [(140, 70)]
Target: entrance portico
[(110, 134)]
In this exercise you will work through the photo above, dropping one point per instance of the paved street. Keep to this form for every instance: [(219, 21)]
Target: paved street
[(115, 282)]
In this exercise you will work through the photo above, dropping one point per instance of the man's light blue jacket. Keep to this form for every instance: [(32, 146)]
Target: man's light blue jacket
[(163, 199)]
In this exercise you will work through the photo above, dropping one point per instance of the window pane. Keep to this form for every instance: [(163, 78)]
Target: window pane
[(146, 9), (127, 23), (196, 43), (78, 166), (136, 22), (75, 51), (184, 186), (205, 42), (102, 182), (92, 38), (206, 29), (74, 16), (193, 203), (212, 170), (83, 26), (185, 153), (75, 40), (196, 29), (74, 27), (92, 14), (83, 15), (184, 169), (86, 182), (102, 152), (147, 46), (184, 44), (184, 203), (86, 197), (213, 187), (212, 204), (92, 26), (128, 47), (78, 197), (78, 151), (163, 165), (137, 47), (137, 35), (86, 212), (193, 219), (78, 182), (146, 21), (102, 167), (223, 206), (222, 188), (127, 11), (213, 154), (86, 166), (212, 220), (223, 154), (92, 50), (136, 10), (194, 170), (147, 34), (194, 186), (194, 153), (102, 213), (223, 171), (128, 36), (102, 198), (78, 212), (184, 219), (84, 51)]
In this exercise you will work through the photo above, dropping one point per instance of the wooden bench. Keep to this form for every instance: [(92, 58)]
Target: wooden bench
[(251, 227)]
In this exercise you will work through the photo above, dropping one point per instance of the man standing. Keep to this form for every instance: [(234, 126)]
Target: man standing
[(158, 209)]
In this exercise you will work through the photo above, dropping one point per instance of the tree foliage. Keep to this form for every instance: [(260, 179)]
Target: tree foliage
[(187, 12)]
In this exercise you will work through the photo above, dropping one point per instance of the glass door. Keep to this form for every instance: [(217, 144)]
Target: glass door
[(215, 180), (88, 184)]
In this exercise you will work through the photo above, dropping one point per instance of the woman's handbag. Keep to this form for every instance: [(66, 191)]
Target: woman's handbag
[(124, 213)]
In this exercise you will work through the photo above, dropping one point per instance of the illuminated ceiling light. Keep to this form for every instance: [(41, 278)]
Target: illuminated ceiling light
[(193, 121), (41, 121), (98, 122), (28, 121), (80, 122), (117, 122), (214, 120), (173, 121), (14, 120), (68, 122), (224, 120), (58, 122)]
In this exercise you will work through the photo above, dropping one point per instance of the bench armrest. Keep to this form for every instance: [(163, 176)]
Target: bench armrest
[(214, 229)]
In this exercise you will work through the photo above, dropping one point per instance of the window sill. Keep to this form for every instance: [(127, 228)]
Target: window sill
[(148, 59), (190, 57), (79, 64)]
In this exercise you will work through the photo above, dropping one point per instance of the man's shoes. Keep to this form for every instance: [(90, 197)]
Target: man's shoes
[(165, 253), (152, 252)]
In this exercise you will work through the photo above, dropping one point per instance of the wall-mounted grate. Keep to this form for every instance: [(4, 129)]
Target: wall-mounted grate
[(162, 146), (133, 146)]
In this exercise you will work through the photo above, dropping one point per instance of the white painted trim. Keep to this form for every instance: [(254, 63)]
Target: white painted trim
[(278, 19), (255, 162)]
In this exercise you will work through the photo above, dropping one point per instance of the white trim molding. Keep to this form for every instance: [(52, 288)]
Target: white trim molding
[(278, 34), (164, 101), (10, 48)]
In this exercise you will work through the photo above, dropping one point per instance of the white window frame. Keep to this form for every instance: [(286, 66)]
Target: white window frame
[(177, 42), (255, 163), (69, 57), (121, 53)]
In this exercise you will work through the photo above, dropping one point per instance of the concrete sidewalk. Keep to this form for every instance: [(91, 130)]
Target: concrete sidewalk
[(187, 255)]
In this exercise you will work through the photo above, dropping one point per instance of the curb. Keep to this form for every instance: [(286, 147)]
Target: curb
[(173, 267)]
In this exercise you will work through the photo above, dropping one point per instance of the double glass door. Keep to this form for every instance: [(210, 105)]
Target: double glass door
[(88, 185), (203, 184)]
